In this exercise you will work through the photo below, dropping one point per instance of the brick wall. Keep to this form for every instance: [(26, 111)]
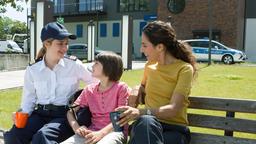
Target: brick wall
[(228, 17)]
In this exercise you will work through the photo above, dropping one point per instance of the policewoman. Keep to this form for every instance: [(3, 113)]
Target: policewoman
[(48, 84)]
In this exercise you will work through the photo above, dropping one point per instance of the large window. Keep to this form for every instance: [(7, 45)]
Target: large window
[(83, 5), (133, 5), (58, 6), (90, 5)]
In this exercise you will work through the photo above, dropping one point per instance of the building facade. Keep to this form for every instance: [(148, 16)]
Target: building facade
[(106, 16), (227, 20), (250, 30), (233, 22)]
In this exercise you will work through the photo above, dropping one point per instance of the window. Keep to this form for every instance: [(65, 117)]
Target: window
[(103, 30), (217, 45), (116, 29), (194, 44), (90, 5), (142, 24), (133, 5), (176, 6), (79, 30), (202, 44), (58, 6), (78, 47), (83, 5), (98, 5)]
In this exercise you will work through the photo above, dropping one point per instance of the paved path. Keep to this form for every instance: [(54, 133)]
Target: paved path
[(11, 79), (15, 79)]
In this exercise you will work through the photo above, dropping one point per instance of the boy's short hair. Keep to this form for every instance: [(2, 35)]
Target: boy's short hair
[(112, 64)]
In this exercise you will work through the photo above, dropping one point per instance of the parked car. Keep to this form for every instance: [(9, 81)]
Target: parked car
[(80, 50), (219, 52), (9, 46)]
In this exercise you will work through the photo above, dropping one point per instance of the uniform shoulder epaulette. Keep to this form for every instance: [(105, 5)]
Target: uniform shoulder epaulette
[(36, 61), (70, 57)]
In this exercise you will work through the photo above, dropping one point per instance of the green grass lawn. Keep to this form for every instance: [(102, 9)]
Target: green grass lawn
[(228, 81)]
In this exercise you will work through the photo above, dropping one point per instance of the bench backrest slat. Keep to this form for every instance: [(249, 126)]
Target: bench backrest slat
[(223, 123), (229, 123), (197, 138), (233, 105)]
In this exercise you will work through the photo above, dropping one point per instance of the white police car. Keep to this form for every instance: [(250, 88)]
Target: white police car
[(219, 52)]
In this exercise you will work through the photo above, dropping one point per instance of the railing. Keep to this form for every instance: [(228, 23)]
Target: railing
[(89, 6)]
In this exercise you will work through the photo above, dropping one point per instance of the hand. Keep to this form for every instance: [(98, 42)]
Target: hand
[(82, 131), (133, 100), (13, 116), (94, 137), (141, 94), (129, 114)]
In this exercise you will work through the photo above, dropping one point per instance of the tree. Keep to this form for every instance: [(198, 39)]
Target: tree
[(13, 3), (10, 27), (18, 27)]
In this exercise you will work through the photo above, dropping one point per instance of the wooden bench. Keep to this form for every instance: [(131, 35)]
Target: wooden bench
[(228, 123)]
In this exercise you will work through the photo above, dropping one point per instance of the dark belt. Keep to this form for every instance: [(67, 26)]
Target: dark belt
[(52, 107)]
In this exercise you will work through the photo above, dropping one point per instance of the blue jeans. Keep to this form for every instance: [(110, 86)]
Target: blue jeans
[(148, 130)]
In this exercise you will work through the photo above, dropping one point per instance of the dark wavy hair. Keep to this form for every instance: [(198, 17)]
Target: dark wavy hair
[(112, 65), (159, 32)]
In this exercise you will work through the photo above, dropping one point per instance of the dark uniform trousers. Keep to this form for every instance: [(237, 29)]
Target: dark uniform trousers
[(45, 126)]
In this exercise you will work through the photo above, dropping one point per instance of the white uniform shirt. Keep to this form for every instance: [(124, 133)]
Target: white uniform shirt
[(45, 86)]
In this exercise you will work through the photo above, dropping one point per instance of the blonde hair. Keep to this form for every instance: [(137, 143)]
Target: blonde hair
[(42, 51)]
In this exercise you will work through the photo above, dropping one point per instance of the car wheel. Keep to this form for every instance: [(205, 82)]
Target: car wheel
[(227, 59)]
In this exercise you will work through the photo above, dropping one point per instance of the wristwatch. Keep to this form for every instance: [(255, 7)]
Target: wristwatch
[(148, 112)]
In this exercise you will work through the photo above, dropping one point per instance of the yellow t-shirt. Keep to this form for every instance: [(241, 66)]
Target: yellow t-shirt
[(144, 78), (162, 81)]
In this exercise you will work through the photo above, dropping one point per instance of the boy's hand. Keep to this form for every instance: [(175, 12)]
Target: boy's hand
[(82, 131), (94, 137)]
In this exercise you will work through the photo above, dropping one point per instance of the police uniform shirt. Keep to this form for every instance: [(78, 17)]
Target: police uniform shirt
[(45, 86)]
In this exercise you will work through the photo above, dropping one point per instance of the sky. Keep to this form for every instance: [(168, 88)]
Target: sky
[(15, 15)]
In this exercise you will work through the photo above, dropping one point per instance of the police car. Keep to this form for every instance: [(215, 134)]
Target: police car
[(219, 52)]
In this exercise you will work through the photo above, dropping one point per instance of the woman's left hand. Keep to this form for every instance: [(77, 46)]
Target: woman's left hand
[(94, 137), (128, 114)]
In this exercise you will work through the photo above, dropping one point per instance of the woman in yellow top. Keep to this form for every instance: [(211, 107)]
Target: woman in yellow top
[(168, 80)]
